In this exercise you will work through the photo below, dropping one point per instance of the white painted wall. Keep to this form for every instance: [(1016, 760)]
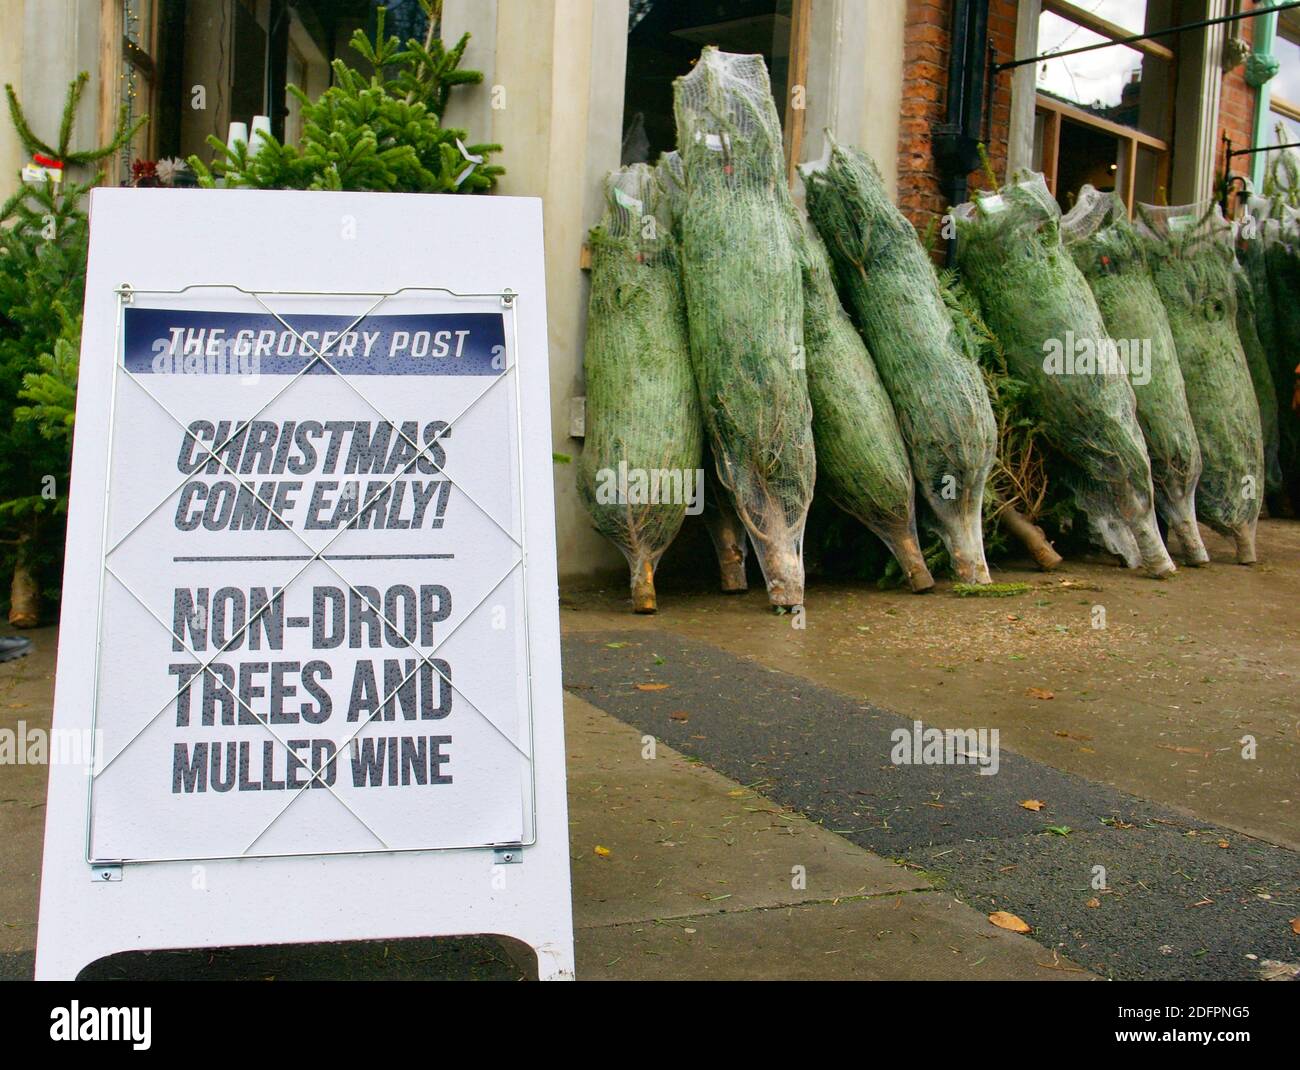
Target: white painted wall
[(44, 45), (11, 73)]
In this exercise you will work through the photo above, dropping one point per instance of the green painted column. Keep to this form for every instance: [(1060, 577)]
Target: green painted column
[(1265, 31)]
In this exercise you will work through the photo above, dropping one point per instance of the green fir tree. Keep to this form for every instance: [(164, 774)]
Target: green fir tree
[(43, 247), (380, 132)]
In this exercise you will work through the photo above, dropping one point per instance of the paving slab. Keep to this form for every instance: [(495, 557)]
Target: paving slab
[(924, 936), (824, 752), (684, 840), (699, 882)]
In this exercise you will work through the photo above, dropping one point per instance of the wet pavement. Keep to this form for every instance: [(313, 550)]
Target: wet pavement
[(1123, 886)]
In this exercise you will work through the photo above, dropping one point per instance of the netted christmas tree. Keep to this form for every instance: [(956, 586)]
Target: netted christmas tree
[(1271, 256), (42, 281), (1255, 323), (640, 466), (861, 457), (744, 300), (1192, 262), (381, 132), (1039, 305), (1106, 248), (889, 284)]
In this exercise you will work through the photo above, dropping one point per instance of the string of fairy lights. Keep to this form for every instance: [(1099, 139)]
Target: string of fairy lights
[(133, 25)]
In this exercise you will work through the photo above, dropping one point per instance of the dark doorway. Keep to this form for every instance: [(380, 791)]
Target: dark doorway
[(665, 38)]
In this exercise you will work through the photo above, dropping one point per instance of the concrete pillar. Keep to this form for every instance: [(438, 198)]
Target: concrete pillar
[(552, 95), (1024, 88), (855, 79), (11, 73), (48, 43)]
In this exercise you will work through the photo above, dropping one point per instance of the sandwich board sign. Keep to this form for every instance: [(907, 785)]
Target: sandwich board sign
[(309, 606)]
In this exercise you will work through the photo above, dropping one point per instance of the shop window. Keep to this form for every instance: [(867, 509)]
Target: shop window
[(248, 68), (1103, 117), (1284, 91), (665, 38), (403, 19)]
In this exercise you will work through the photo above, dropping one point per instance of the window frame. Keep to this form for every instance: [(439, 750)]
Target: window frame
[(1131, 140), (1281, 106)]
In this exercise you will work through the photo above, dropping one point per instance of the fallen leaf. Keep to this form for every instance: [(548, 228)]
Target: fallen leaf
[(1223, 843), (1070, 735), (1032, 804), (616, 646), (652, 687), (1003, 920), (1094, 902), (601, 852), (680, 715), (737, 793), (1039, 693), (1273, 970), (1183, 750), (1295, 926)]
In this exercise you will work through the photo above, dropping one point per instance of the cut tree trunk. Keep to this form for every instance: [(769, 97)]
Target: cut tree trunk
[(24, 598), (1032, 538)]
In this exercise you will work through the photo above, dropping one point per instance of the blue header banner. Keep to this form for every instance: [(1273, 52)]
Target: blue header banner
[(173, 342)]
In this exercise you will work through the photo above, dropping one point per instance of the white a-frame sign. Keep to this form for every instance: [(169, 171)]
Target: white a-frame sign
[(309, 606)]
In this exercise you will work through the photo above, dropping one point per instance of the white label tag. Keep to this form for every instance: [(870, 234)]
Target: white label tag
[(630, 203)]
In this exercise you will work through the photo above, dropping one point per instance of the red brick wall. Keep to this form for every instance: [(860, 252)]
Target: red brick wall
[(925, 77), (1236, 107)]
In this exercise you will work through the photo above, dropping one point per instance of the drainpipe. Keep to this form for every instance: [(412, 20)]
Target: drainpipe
[(956, 140), (1260, 69)]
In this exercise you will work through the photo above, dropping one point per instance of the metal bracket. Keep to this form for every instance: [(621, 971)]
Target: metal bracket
[(508, 856), (104, 874), (507, 298), (126, 293)]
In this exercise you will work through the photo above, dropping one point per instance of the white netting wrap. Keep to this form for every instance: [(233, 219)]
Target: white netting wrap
[(1106, 248), (1192, 258), (640, 465), (1040, 307), (934, 383), (741, 273)]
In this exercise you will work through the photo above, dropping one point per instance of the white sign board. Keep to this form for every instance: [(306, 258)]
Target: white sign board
[(309, 607)]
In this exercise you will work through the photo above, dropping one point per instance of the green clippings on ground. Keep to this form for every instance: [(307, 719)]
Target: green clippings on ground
[(989, 590)]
